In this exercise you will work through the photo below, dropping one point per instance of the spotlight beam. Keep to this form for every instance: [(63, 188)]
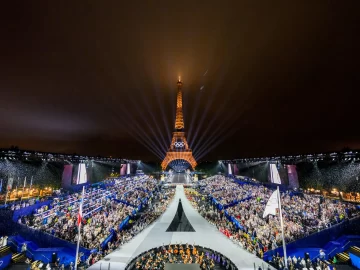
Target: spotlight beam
[(215, 135), (194, 116), (211, 99), (155, 150), (215, 118), (212, 138), (140, 130), (156, 125), (151, 147), (159, 98), (207, 108), (148, 125)]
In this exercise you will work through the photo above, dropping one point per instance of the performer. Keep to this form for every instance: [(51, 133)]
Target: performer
[(181, 249), (176, 249), (187, 250), (194, 251)]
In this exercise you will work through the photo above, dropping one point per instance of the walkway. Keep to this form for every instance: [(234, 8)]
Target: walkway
[(155, 235), (180, 178)]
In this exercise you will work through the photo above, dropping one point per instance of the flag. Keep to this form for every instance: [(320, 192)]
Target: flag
[(272, 205), (80, 215)]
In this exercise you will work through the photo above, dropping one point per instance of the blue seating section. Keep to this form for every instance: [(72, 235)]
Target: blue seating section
[(34, 252), (331, 248), (342, 244), (5, 261)]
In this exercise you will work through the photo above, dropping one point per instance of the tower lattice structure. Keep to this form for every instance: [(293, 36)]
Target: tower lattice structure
[(179, 148)]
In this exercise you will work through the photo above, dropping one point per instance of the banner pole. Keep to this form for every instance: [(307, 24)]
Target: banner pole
[(79, 228), (282, 229)]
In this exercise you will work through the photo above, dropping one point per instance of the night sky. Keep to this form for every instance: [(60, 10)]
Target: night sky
[(95, 77)]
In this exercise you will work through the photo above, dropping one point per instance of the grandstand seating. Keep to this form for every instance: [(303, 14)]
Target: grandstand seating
[(234, 201), (131, 194)]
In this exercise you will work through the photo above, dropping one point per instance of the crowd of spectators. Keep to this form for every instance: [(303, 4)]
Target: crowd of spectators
[(302, 214), (225, 191), (298, 263), (156, 206), (25, 203), (104, 208)]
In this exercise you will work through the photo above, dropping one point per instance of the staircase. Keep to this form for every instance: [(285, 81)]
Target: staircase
[(18, 258), (35, 264), (355, 249), (343, 257), (4, 251)]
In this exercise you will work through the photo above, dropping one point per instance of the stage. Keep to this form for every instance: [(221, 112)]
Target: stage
[(155, 235), (180, 178)]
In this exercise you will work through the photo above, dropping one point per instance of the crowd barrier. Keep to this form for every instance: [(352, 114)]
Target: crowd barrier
[(42, 239), (227, 215), (65, 254), (29, 210), (78, 188), (18, 201), (124, 202), (236, 202)]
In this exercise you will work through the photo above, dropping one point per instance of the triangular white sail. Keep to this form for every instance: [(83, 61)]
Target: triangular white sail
[(272, 205)]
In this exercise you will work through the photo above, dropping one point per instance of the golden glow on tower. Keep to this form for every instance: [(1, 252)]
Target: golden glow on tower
[(179, 148), (179, 121)]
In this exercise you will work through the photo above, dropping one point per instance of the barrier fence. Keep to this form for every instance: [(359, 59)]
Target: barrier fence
[(29, 210)]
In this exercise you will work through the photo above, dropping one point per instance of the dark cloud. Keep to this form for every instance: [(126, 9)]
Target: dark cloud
[(99, 77)]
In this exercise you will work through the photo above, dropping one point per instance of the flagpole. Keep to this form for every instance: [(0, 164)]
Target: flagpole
[(7, 192), (79, 229), (282, 229)]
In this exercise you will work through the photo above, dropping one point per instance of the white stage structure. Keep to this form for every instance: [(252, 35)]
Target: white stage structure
[(81, 174), (274, 174), (155, 236), (229, 169)]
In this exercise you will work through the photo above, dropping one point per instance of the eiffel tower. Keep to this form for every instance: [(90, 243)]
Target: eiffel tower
[(179, 148)]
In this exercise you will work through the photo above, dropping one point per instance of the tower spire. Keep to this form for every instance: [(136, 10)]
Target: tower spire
[(179, 148), (179, 121)]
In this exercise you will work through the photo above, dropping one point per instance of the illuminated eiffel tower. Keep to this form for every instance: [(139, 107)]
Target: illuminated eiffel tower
[(179, 148)]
